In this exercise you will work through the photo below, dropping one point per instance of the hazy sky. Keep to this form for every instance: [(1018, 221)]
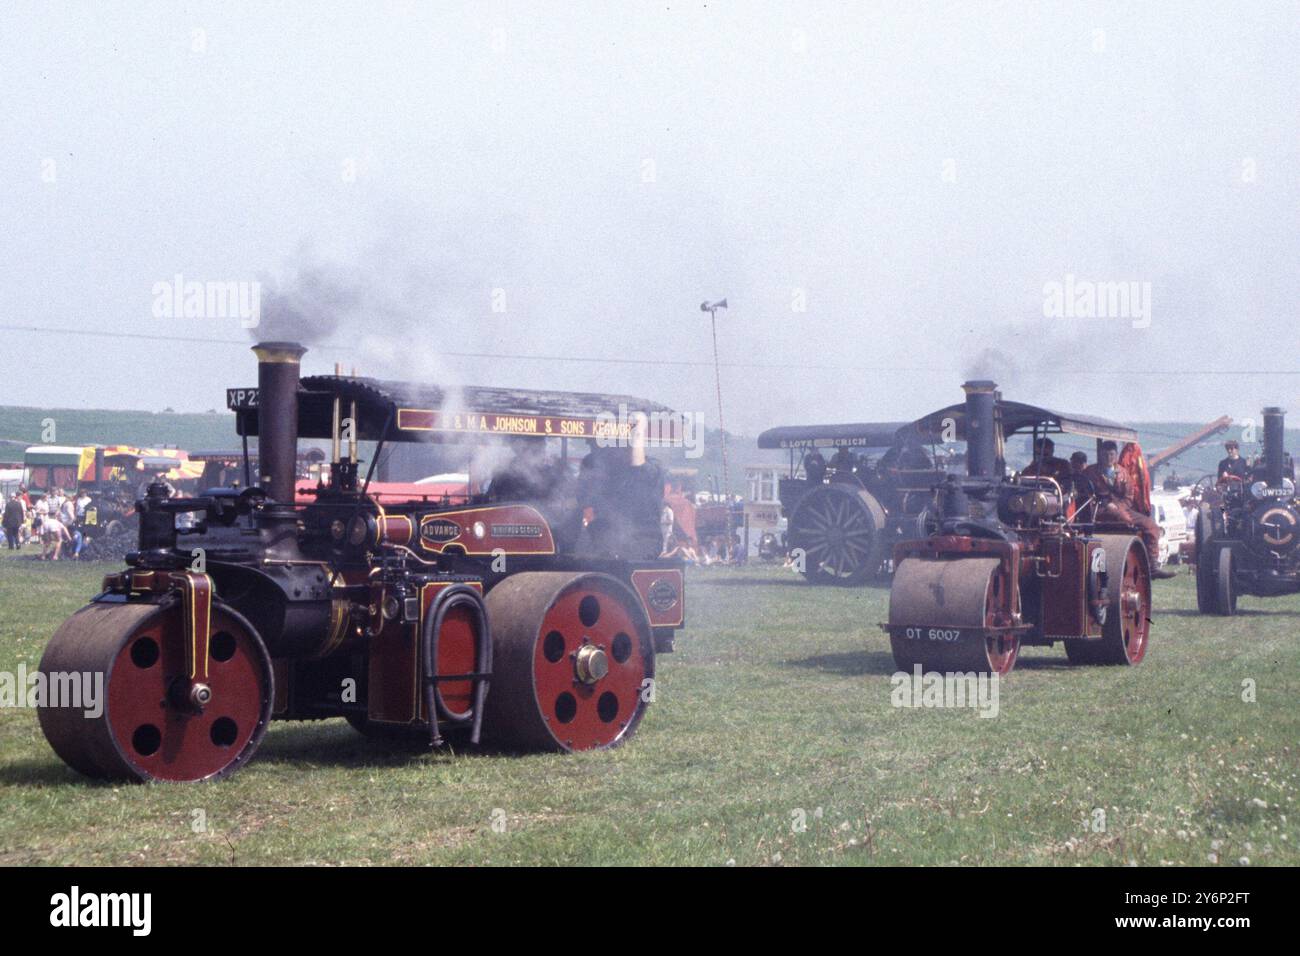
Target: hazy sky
[(885, 189)]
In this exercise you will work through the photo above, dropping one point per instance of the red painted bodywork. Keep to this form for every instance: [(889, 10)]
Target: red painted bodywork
[(393, 682), (514, 529), (652, 587)]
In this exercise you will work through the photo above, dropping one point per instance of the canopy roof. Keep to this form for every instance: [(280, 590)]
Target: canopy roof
[(937, 426), (54, 454), (1016, 417), (427, 413), (859, 435)]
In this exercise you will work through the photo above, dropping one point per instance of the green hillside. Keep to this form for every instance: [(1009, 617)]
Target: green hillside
[(80, 426)]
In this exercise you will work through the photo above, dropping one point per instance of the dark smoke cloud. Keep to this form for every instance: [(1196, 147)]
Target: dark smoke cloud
[(311, 303), (1096, 366)]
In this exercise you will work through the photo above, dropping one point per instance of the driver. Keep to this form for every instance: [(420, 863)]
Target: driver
[(1046, 464), (1116, 495), (1234, 466), (843, 462), (814, 467)]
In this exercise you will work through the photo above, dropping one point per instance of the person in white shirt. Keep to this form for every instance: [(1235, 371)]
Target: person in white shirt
[(53, 534), (666, 518)]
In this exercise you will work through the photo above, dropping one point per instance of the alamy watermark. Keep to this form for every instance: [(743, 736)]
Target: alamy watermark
[(655, 430), (82, 690), (177, 298), (1084, 299), (951, 689), (133, 911)]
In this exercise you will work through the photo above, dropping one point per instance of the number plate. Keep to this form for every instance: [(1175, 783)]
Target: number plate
[(943, 635)]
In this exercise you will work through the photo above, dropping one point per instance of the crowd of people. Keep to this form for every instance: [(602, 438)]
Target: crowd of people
[(1118, 488), (846, 464), (54, 520)]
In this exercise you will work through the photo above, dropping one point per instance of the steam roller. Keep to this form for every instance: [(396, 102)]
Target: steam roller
[(1018, 558), (523, 609)]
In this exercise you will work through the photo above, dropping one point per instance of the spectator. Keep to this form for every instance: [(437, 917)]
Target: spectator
[(683, 550), (83, 502), (666, 518), (68, 511), (78, 542), (15, 514), (53, 535)]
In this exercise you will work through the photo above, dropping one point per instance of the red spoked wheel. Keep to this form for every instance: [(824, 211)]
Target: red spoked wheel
[(572, 657), (1001, 653), (147, 728), (1127, 631)]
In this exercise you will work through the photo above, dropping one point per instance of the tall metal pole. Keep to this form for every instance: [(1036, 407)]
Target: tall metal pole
[(712, 309)]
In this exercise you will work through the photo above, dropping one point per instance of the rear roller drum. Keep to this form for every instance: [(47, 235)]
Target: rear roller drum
[(572, 654), (1125, 634), (940, 613), (150, 725)]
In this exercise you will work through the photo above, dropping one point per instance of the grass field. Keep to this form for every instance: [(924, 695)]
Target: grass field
[(773, 739)]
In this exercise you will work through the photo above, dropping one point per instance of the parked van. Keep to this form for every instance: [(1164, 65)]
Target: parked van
[(1167, 510)]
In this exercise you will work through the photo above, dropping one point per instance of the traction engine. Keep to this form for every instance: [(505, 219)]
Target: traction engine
[(845, 517), (1248, 536), (1016, 561), (527, 615)]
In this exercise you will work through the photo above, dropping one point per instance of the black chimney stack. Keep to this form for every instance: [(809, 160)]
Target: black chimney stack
[(981, 431), (1274, 439), (277, 417)]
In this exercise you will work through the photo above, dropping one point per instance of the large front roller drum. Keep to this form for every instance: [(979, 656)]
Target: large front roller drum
[(145, 730), (839, 527), (939, 613), (571, 657), (1125, 635)]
